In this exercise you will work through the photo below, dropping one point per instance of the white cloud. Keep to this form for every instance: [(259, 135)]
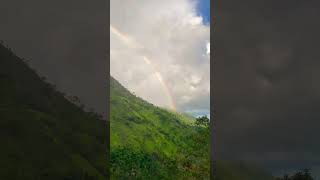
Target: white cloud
[(174, 39)]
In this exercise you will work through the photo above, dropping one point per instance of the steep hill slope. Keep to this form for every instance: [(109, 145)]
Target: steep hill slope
[(42, 134), (148, 142), (151, 142)]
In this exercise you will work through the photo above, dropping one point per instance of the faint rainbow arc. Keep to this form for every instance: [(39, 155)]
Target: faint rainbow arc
[(129, 42)]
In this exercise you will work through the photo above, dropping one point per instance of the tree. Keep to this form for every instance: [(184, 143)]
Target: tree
[(202, 121)]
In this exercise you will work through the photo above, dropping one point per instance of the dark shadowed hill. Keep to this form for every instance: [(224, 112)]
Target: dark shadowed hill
[(43, 135)]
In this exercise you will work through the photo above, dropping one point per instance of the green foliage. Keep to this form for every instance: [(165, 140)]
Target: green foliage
[(202, 121), (42, 134), (128, 163), (148, 142)]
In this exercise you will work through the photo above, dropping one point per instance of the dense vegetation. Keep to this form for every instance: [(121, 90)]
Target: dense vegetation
[(43, 135), (148, 142)]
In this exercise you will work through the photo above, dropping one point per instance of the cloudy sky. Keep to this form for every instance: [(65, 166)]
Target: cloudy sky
[(160, 51), (266, 83)]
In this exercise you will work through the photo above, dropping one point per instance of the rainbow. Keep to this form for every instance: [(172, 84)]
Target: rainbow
[(133, 44)]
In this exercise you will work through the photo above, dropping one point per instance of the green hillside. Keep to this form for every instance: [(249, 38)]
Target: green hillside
[(148, 142), (43, 135)]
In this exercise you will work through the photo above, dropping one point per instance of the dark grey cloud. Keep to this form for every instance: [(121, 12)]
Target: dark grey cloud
[(66, 41), (266, 82)]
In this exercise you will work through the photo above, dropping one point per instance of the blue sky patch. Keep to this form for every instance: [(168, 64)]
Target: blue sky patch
[(203, 7)]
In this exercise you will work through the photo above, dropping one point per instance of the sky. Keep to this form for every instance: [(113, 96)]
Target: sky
[(266, 83), (67, 43), (160, 51), (203, 9)]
